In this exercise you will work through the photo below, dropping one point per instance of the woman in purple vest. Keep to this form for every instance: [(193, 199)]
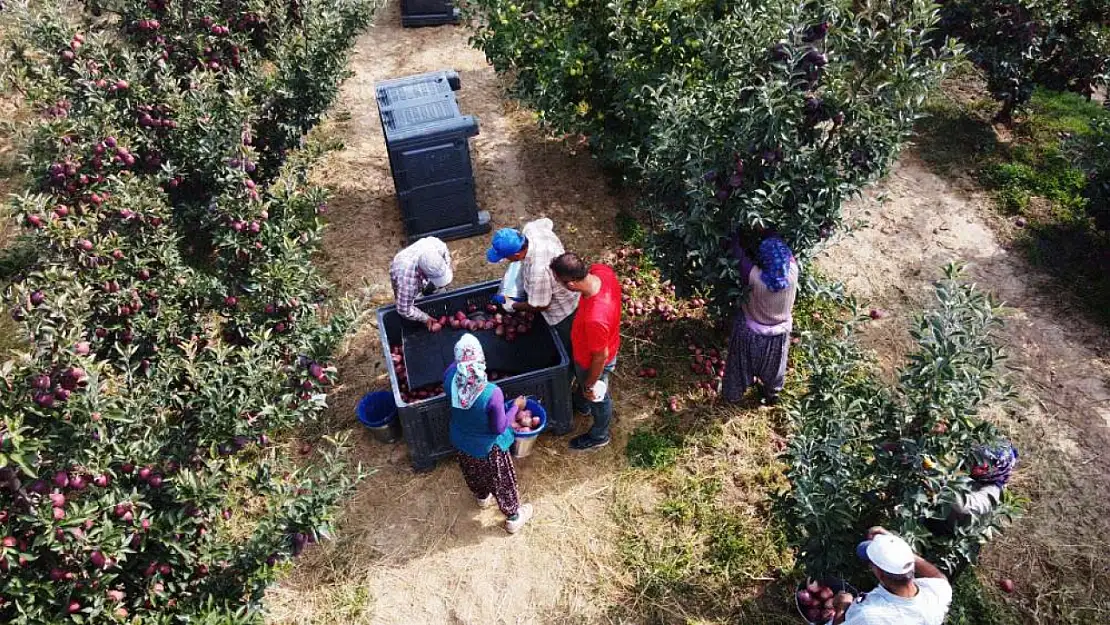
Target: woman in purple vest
[(480, 432), (760, 341)]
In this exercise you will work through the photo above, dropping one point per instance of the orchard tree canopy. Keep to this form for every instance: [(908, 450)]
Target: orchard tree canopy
[(729, 114), (171, 322)]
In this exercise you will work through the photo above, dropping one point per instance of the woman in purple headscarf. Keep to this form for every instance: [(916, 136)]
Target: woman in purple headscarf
[(760, 341), (992, 465), (991, 468)]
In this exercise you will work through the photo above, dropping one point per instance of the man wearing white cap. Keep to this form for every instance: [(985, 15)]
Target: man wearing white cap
[(424, 264), (911, 591)]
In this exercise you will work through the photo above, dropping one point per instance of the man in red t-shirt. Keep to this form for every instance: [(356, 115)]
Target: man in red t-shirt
[(594, 338)]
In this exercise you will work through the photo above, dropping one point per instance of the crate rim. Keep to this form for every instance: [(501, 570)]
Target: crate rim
[(383, 336)]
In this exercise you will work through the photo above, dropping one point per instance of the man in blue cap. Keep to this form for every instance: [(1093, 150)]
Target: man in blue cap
[(535, 246)]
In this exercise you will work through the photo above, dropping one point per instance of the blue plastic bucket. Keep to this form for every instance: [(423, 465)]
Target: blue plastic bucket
[(378, 412), (524, 442)]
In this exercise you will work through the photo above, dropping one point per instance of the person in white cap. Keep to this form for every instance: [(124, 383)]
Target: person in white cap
[(911, 591), (417, 269)]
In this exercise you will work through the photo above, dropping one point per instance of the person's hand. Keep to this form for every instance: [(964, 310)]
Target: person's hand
[(875, 531), (429, 322), (842, 601), (588, 393), (520, 402)]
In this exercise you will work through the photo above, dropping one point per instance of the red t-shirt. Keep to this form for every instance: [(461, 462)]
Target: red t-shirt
[(598, 320)]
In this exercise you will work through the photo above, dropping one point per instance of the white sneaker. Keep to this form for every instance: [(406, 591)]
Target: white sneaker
[(487, 502), (523, 513)]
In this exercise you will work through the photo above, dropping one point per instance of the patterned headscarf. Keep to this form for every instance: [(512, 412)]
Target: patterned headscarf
[(774, 263), (994, 463), (470, 372)]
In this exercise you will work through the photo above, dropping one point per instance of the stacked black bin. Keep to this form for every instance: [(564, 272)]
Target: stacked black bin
[(428, 12), (537, 363), (429, 154)]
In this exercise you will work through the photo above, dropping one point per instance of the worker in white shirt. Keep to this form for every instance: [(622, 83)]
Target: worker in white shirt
[(911, 591)]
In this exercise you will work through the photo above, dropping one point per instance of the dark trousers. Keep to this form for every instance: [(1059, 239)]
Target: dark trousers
[(601, 411), (562, 330)]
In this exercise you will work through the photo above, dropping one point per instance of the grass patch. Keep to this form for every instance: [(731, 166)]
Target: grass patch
[(974, 604), (697, 540), (649, 449), (1034, 176)]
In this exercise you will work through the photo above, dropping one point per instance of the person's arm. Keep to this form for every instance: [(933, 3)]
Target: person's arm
[(841, 603), (981, 500), (407, 288), (499, 418), (537, 284), (598, 360), (923, 569), (746, 263)]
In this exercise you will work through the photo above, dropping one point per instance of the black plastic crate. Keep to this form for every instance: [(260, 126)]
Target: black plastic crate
[(428, 12), (428, 141), (538, 357)]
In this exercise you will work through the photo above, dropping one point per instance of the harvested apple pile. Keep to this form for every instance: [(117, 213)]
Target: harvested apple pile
[(525, 422), (505, 325), (709, 362), (410, 395), (397, 357), (815, 601)]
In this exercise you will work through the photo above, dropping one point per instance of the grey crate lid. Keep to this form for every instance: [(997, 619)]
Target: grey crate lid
[(395, 91)]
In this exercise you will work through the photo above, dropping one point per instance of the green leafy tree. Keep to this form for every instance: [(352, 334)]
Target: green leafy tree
[(173, 323), (727, 114), (864, 454), (1022, 44)]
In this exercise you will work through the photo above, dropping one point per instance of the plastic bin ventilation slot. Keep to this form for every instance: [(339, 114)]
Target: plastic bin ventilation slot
[(428, 140), (536, 363)]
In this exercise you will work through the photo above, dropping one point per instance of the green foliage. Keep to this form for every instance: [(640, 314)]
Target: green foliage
[(728, 115), (863, 455), (972, 604), (649, 449), (698, 553), (1046, 159), (1093, 153), (1023, 44), (170, 317)]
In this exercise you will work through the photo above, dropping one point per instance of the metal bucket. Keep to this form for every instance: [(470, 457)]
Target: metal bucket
[(388, 433), (524, 443), (378, 412)]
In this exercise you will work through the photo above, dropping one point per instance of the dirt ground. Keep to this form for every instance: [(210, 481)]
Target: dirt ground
[(1059, 363), (414, 548)]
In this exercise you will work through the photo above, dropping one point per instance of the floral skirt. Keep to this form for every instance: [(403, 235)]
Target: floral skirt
[(492, 475)]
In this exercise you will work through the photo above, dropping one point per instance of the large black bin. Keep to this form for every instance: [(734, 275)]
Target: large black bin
[(428, 12), (428, 140), (537, 361)]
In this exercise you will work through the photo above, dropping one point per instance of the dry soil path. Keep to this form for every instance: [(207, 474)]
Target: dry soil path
[(1059, 363), (414, 548)]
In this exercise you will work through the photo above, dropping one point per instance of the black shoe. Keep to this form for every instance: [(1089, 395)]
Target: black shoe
[(771, 400), (587, 442)]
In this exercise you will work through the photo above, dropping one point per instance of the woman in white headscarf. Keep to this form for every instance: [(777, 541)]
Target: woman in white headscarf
[(481, 432)]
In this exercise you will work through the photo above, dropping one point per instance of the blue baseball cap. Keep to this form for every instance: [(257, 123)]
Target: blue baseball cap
[(506, 242)]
